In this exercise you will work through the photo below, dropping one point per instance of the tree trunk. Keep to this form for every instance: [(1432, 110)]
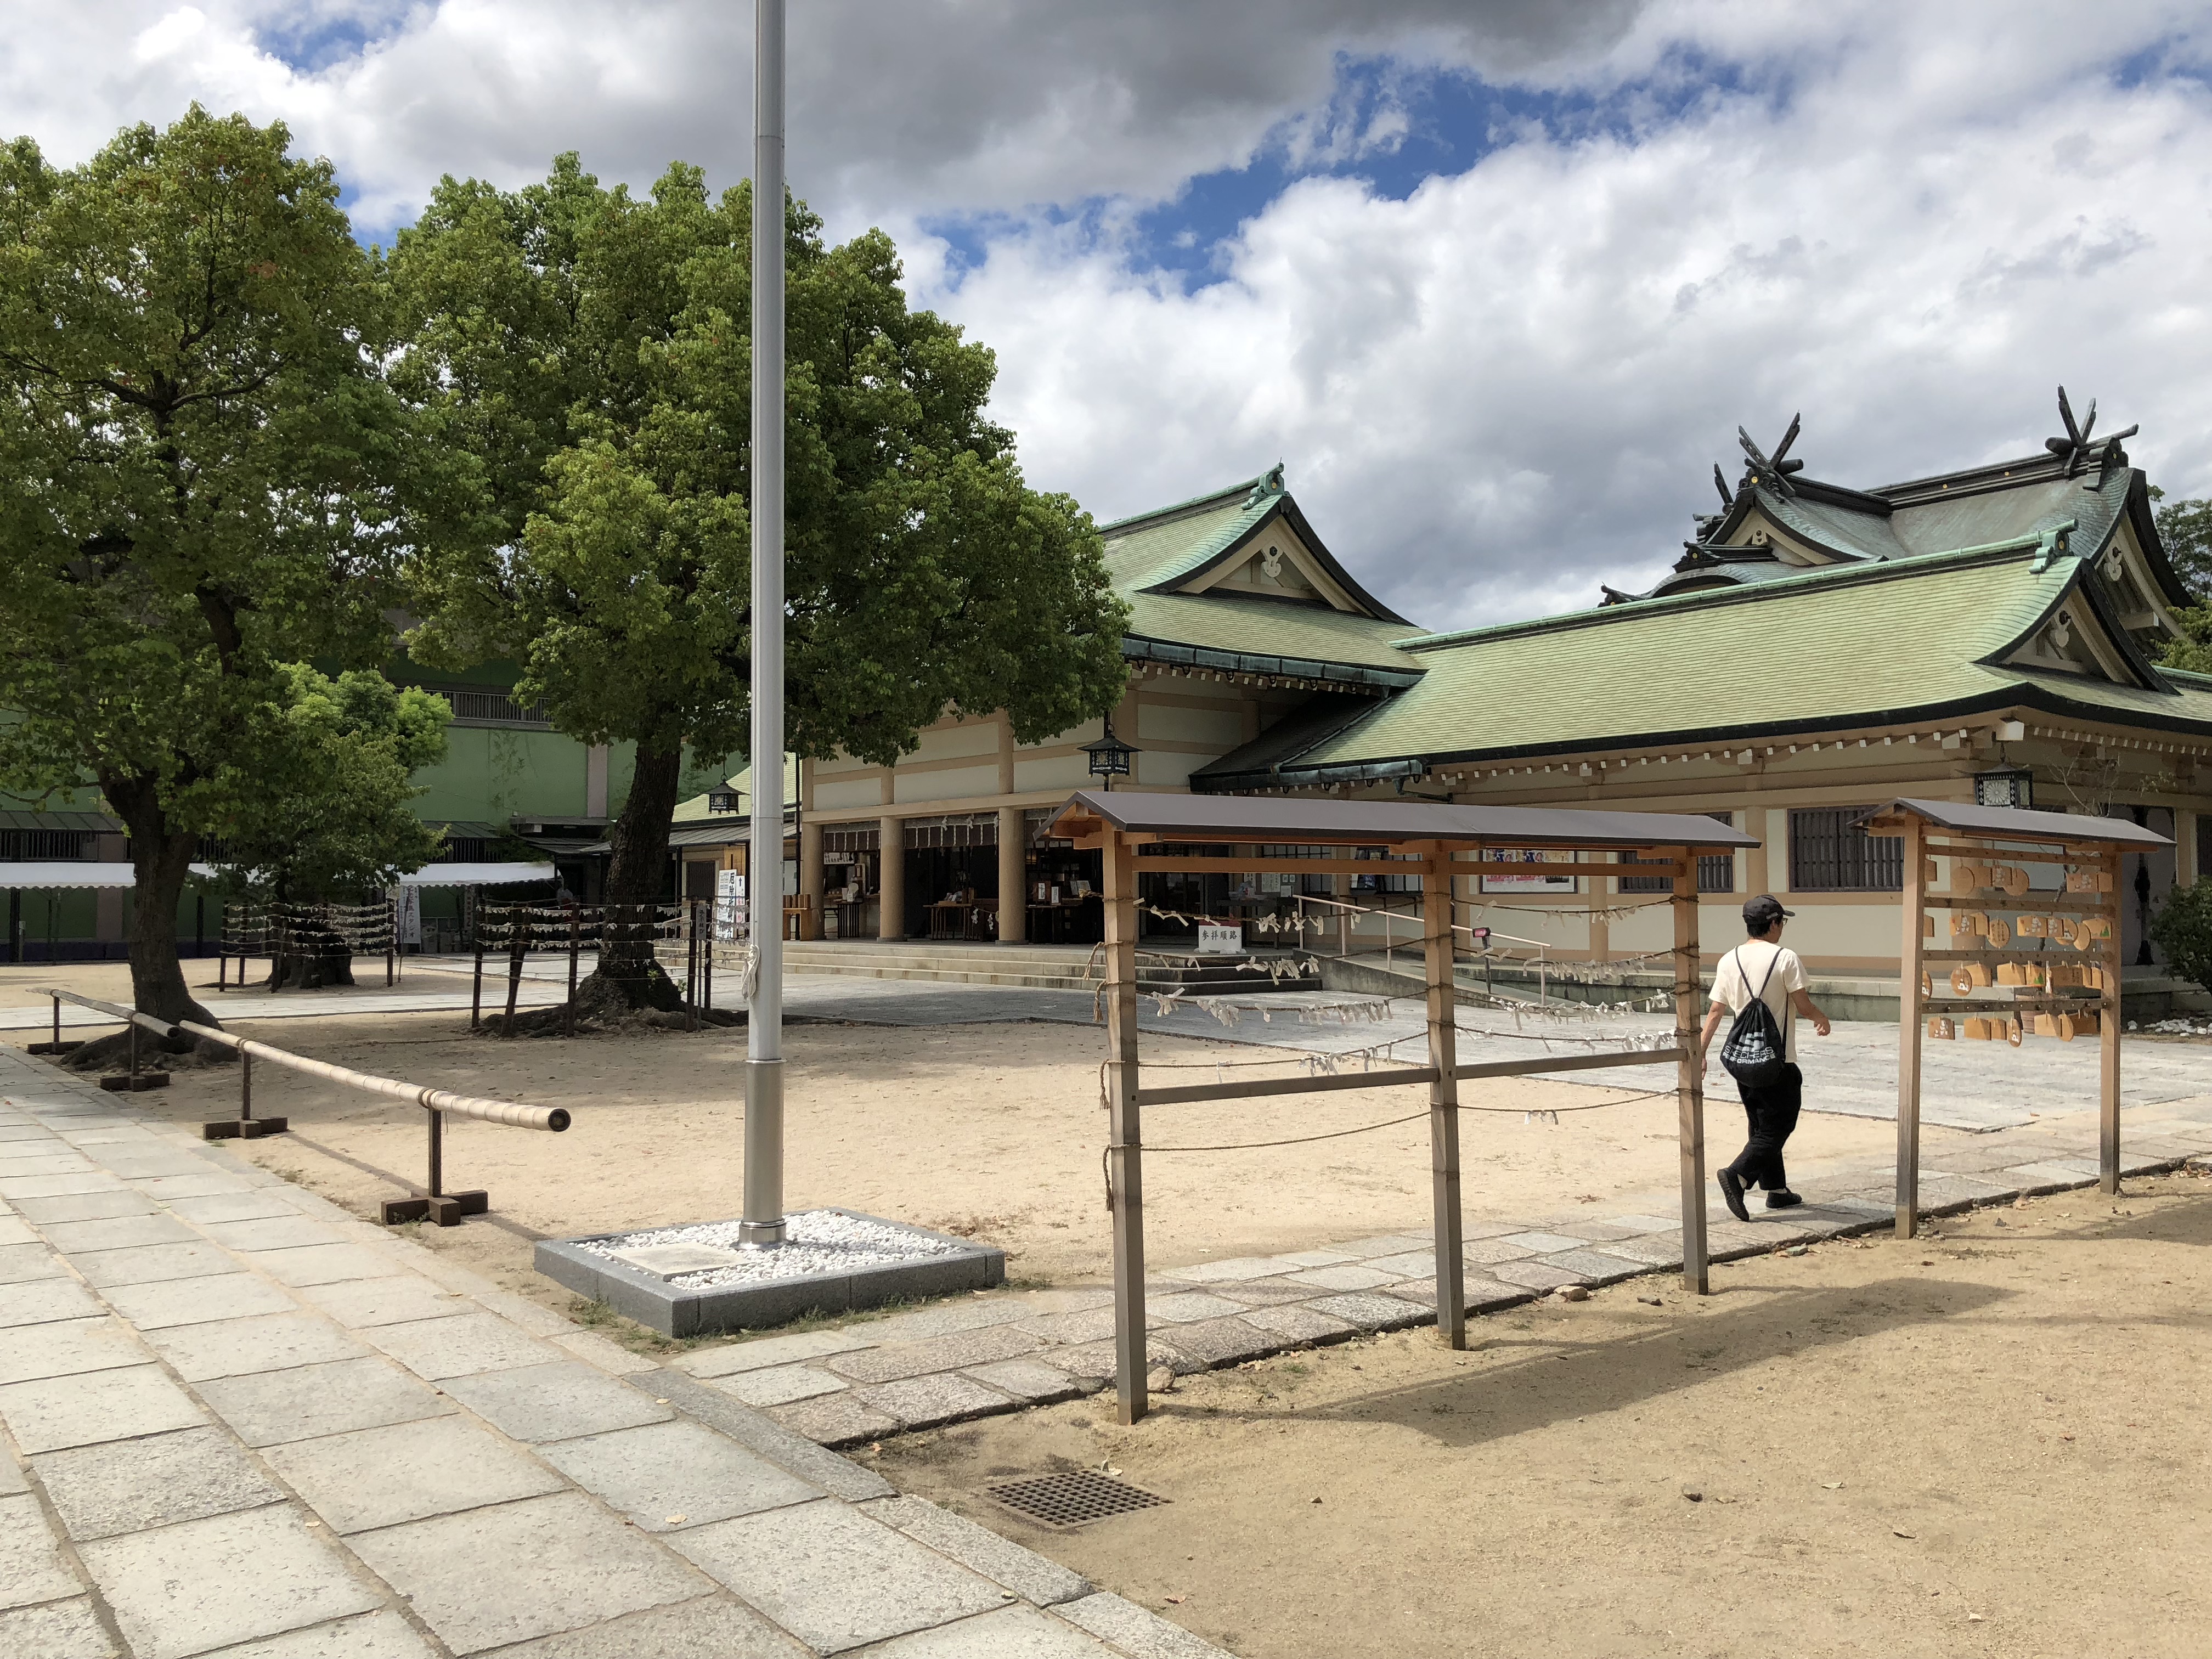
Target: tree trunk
[(160, 859), (636, 874)]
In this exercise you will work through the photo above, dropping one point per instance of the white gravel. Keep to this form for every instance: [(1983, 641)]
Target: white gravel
[(817, 1242)]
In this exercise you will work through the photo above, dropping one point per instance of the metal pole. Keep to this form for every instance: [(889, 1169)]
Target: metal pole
[(58, 1024), (244, 1088), (1443, 1098), (437, 1153), (763, 1217), (1124, 1158)]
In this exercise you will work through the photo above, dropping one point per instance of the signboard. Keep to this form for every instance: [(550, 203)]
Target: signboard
[(729, 906), (1526, 879), (1215, 940), (407, 915)]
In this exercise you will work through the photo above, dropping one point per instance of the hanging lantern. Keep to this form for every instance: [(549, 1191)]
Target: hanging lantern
[(722, 801), (1109, 755)]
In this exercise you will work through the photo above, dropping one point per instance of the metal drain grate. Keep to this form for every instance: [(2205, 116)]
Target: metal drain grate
[(1071, 1499)]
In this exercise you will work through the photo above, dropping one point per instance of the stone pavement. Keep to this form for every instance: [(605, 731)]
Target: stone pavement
[(239, 1422), (990, 1353)]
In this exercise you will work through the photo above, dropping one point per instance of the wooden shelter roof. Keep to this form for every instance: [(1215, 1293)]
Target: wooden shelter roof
[(2013, 824), (1293, 821)]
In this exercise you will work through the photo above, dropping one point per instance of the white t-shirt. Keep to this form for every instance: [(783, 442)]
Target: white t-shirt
[(1739, 976)]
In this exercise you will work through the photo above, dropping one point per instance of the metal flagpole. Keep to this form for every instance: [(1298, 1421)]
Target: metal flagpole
[(763, 1217)]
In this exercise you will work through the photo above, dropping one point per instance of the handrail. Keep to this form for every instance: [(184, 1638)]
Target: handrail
[(434, 1204)]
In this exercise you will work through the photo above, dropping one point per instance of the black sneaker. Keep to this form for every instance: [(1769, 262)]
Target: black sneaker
[(1782, 1199), (1732, 1191)]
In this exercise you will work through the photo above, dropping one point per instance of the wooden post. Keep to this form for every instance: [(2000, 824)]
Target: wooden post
[(1689, 1072), (1013, 876), (890, 878), (2108, 1036), (244, 1088), (691, 963), (518, 941), (576, 943), (1443, 1097), (1912, 963), (475, 985), (1124, 1172), (391, 938)]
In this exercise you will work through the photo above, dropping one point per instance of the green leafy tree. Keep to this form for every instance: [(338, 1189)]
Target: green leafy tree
[(595, 349), (208, 480), (337, 827), (2186, 529), (2183, 930)]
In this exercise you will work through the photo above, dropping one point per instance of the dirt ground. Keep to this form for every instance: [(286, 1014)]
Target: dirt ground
[(992, 1132), (1987, 1443)]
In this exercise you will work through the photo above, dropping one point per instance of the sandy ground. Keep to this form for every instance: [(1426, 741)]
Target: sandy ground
[(1990, 1443), (990, 1131)]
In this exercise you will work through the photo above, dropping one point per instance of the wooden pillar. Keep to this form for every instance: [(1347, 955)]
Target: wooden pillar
[(810, 877), (1912, 963), (2108, 1033), (890, 878), (1125, 1172), (1689, 1071), (1013, 876), (1443, 1097)]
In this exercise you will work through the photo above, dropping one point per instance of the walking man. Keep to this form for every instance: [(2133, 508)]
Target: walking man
[(1761, 967)]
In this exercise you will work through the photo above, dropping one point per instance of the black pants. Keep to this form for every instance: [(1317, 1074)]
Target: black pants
[(1773, 1114)]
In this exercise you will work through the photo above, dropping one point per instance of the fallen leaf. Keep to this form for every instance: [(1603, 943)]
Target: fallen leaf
[(1832, 1486), (1177, 1601), (1899, 1531), (675, 1520), (1974, 1618)]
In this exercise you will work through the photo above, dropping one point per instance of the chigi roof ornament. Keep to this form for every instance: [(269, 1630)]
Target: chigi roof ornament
[(2074, 447), (1773, 473)]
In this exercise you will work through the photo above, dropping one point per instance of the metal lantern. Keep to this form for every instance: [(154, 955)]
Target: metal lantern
[(1109, 755), (2007, 786), (722, 801)]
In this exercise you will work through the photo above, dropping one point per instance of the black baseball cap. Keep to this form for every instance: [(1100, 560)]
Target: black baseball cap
[(1764, 911)]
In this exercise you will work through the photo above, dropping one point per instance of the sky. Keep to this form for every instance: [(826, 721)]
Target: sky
[(1497, 280)]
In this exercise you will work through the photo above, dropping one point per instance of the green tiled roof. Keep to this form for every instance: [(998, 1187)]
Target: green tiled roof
[(1852, 645), (1175, 540), (1223, 622)]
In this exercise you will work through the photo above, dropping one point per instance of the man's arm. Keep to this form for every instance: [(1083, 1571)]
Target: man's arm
[(1803, 1001), (1714, 1016)]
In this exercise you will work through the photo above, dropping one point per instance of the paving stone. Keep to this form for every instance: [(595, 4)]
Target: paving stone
[(16, 1231), (1316, 1258), (1028, 1574), (1010, 1633), (1354, 1277), (1032, 1381), (558, 1401), (253, 1205), (835, 1419), (1188, 1306), (1407, 1264), (84, 1207), (460, 1345), (78, 1411), (1264, 1292), (1297, 1322), (238, 1348), (1096, 1361), (43, 1163), (356, 1302), (668, 1475), (121, 1232), (1222, 1341), (1374, 1312), (172, 1303), (270, 1408), (714, 1627), (1543, 1244), (276, 1232), (968, 1313), (323, 1264), (202, 1584), (834, 1578), (31, 1565), (11, 1476), (1602, 1232), (382, 1635), (778, 1386), (1233, 1267), (1652, 1250), (22, 1263), (1140, 1634), (59, 1629), (1090, 1325), (202, 1182), (1489, 1252), (130, 1486), (1536, 1275), (603, 1355), (154, 1264), (771, 1351), (923, 1402), (68, 1347), (404, 1471), (942, 1353), (1593, 1265), (561, 1563)]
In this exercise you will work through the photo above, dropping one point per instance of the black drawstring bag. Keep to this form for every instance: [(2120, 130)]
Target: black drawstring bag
[(1756, 1053)]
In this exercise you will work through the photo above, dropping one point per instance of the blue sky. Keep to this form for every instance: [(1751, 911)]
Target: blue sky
[(1497, 281)]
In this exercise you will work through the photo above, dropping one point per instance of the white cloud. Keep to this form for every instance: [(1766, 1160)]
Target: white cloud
[(1512, 385), (1492, 394)]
